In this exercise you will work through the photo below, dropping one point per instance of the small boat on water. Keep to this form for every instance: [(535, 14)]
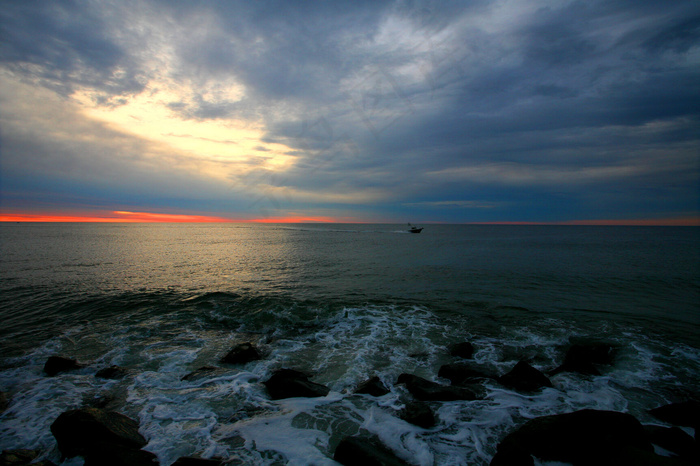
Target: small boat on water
[(414, 229)]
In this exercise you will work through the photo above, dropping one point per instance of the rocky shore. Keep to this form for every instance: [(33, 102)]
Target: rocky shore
[(583, 437)]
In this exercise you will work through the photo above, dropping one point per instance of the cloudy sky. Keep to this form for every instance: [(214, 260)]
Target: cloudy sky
[(467, 111)]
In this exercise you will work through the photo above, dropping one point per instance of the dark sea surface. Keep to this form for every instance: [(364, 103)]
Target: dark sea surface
[(343, 303)]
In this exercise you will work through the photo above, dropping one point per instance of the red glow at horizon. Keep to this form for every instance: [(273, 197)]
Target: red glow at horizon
[(120, 216), (117, 216)]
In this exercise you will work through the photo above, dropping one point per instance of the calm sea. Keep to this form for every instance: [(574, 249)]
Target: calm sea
[(344, 303)]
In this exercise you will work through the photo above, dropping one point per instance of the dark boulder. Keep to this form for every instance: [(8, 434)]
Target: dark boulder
[(288, 383), (57, 364), (425, 390), (365, 451), (4, 402), (373, 387), (241, 354), (686, 413), (460, 374), (22, 457), (101, 437), (418, 413), (192, 461), (524, 377), (583, 358), (117, 455), (112, 373), (674, 440), (582, 438), (462, 350)]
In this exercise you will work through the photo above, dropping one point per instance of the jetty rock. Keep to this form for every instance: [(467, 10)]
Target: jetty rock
[(425, 390), (112, 373), (372, 386), (524, 377), (675, 440), (583, 358), (365, 451), (418, 413), (583, 437), (4, 402), (463, 373), (685, 413), (101, 438), (288, 383), (241, 354), (57, 364), (22, 457), (463, 350), (192, 461)]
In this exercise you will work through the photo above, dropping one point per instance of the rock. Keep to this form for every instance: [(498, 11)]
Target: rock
[(524, 377), (199, 373), (288, 383), (117, 455), (192, 461), (674, 440), (462, 350), (4, 402), (419, 414), (57, 364), (373, 387), (241, 354), (582, 438), (461, 373), (686, 413), (22, 457), (363, 451), (101, 437), (111, 372), (582, 358), (425, 390)]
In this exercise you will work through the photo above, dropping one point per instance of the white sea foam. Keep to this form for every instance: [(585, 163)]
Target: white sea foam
[(227, 412)]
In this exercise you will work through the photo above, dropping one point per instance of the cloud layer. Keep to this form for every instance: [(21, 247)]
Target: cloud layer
[(369, 111)]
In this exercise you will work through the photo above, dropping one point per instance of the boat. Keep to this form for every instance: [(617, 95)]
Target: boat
[(414, 229)]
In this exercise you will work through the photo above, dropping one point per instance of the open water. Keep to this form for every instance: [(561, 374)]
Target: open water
[(343, 303)]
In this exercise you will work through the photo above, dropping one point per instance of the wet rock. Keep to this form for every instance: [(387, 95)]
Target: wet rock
[(364, 451), (686, 413), (461, 373), (418, 413), (582, 358), (582, 438), (57, 364), (200, 373), (4, 402), (674, 440), (22, 457), (112, 373), (462, 350), (241, 354), (101, 437), (288, 383), (425, 390), (192, 461), (373, 387), (524, 377)]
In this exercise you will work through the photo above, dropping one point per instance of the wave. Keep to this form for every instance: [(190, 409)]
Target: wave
[(159, 337)]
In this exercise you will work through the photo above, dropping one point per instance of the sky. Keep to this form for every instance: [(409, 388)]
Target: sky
[(474, 111)]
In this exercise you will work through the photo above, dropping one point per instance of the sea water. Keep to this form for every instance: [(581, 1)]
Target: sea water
[(342, 303)]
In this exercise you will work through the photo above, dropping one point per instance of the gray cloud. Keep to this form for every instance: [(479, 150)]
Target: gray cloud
[(421, 104)]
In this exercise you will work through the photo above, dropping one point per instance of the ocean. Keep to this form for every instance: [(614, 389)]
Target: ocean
[(342, 303)]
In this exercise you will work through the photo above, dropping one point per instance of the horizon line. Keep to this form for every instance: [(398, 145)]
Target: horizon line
[(151, 217)]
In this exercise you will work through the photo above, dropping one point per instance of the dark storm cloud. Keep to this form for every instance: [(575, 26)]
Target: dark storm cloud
[(501, 108), (64, 44)]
